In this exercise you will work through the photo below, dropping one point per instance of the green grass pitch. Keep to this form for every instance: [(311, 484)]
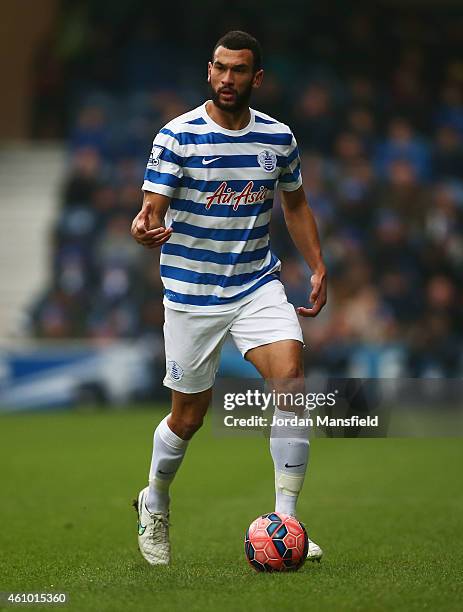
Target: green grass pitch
[(388, 513)]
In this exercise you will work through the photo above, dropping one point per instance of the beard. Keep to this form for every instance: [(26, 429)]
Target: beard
[(240, 101)]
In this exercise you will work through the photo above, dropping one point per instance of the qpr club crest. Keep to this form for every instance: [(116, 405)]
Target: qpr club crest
[(267, 160), (175, 370)]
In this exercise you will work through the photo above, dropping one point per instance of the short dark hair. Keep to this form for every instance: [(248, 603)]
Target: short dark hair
[(237, 40)]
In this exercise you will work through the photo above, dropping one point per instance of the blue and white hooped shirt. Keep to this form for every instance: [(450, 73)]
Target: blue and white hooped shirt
[(221, 184)]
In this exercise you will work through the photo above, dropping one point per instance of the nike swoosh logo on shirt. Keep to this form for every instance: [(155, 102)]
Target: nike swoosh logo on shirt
[(209, 161)]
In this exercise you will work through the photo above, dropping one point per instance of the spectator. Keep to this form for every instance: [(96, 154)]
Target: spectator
[(448, 154), (403, 145)]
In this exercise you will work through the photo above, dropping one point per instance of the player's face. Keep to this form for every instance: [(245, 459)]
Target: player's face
[(232, 78)]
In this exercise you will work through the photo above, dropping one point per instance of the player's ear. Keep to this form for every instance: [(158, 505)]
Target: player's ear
[(257, 79), (209, 68)]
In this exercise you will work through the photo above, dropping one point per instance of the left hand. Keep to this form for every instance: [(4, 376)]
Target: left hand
[(318, 295)]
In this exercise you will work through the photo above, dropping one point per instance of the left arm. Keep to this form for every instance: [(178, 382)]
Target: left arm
[(303, 230)]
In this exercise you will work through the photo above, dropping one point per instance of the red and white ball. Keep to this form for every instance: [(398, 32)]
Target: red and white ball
[(276, 542)]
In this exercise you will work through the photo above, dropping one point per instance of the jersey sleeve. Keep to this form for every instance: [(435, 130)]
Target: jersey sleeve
[(290, 177), (164, 170)]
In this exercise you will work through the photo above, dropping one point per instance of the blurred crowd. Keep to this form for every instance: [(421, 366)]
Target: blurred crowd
[(376, 103)]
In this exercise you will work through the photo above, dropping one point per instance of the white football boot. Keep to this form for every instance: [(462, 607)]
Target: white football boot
[(153, 532), (314, 552)]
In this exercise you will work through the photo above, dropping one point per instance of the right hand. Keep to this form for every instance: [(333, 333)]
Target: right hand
[(151, 238)]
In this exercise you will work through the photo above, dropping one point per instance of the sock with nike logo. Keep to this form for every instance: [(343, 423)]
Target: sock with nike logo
[(289, 446), (168, 452)]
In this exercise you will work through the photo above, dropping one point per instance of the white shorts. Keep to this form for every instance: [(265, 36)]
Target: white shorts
[(194, 340)]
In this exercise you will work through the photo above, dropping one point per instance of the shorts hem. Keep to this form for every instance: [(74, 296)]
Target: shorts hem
[(182, 389), (249, 348)]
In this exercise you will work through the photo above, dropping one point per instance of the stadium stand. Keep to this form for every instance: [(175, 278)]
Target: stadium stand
[(378, 114)]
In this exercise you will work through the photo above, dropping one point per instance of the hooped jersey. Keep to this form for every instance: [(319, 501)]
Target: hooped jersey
[(221, 184)]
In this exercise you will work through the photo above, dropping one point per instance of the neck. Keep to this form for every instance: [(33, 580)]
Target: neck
[(228, 120)]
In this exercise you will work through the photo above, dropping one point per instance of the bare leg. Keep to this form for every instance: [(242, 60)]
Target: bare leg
[(188, 411)]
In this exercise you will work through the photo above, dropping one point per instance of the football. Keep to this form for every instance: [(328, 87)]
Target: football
[(276, 542)]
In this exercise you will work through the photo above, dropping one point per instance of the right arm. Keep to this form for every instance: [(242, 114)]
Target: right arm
[(148, 226), (163, 177)]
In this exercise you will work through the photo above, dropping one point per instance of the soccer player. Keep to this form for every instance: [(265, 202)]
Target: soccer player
[(208, 195)]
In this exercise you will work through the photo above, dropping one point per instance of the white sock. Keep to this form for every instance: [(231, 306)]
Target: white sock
[(168, 452), (289, 446)]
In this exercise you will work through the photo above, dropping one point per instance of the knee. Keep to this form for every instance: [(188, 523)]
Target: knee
[(188, 411), (292, 371), (290, 380), (185, 426)]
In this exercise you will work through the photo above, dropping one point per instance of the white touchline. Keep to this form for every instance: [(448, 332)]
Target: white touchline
[(209, 161)]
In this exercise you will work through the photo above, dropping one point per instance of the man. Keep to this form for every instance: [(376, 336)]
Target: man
[(208, 194)]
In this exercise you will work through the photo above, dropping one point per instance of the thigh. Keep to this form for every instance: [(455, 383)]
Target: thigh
[(278, 361), (281, 365), (193, 341)]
